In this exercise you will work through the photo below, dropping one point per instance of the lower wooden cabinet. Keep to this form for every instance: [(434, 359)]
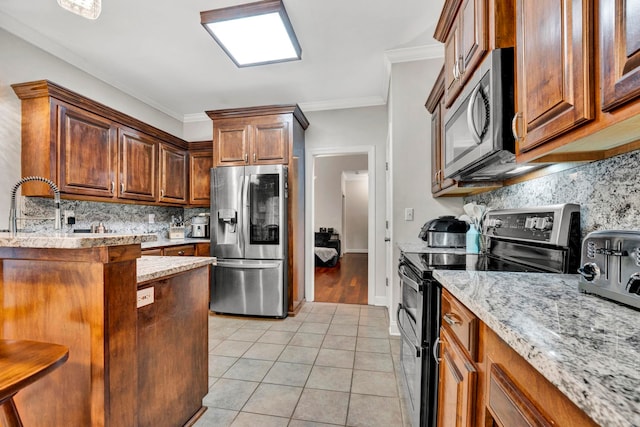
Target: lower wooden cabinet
[(195, 249), (182, 250)]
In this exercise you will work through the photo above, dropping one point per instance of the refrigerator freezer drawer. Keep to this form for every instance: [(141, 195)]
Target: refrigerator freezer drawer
[(250, 287)]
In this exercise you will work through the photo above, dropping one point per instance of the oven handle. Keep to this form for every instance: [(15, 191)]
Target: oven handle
[(403, 276), (403, 332)]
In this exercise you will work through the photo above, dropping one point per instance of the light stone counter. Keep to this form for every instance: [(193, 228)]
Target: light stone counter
[(71, 240), (586, 346), (159, 243), (155, 267), (422, 248)]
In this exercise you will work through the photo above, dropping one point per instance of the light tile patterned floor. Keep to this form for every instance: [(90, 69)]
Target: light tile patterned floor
[(332, 364)]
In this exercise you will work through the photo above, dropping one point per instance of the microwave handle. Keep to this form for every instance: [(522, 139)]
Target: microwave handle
[(477, 136)]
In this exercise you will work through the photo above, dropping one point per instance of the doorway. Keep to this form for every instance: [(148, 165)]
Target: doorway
[(335, 187)]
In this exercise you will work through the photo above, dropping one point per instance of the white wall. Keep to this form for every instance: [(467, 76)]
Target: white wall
[(356, 127), (22, 62), (410, 141), (328, 192), (356, 190)]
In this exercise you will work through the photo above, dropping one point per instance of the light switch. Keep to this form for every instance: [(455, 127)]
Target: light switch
[(145, 296), (408, 214)]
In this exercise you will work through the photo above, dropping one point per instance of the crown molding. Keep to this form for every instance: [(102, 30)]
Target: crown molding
[(417, 53), (339, 104), (195, 118)]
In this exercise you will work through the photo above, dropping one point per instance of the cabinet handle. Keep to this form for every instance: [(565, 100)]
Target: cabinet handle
[(113, 186), (246, 158), (459, 63), (454, 71), (122, 187), (452, 319), (436, 344), (162, 192), (180, 253), (514, 126), (254, 157), (435, 177)]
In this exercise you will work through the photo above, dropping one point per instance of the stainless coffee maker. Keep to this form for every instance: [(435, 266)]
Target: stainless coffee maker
[(200, 225)]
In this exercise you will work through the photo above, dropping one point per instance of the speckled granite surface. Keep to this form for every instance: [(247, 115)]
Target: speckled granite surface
[(422, 248), (586, 346), (70, 240), (156, 267), (172, 242)]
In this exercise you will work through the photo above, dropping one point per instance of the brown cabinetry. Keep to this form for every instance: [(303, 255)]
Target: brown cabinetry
[(200, 164), (195, 249), (251, 140), (620, 52), (554, 70), (173, 175), (182, 250), (138, 166)]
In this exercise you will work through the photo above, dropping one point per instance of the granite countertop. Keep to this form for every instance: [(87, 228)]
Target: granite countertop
[(422, 248), (71, 240), (586, 346), (159, 243), (155, 267)]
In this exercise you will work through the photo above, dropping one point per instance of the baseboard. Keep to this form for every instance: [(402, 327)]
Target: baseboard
[(356, 251), (380, 301), (393, 328)]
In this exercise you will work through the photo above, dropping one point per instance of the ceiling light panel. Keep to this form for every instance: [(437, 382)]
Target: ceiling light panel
[(89, 9), (253, 34)]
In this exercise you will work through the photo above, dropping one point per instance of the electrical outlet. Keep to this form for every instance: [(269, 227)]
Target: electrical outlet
[(408, 214), (69, 217), (152, 218)]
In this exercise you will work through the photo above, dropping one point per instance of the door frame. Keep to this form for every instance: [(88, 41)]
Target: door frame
[(311, 154)]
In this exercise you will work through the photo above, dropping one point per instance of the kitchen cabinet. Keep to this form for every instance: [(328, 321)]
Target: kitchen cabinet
[(620, 52), (173, 175), (194, 249), (484, 382), (272, 134), (200, 164), (82, 136), (96, 153), (182, 250), (554, 69), (469, 29), (138, 165), (260, 140)]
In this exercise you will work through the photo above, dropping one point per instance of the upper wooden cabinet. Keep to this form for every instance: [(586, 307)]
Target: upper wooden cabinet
[(200, 164), (138, 166), (88, 152), (173, 174), (554, 71), (620, 52), (96, 153), (259, 135), (469, 29)]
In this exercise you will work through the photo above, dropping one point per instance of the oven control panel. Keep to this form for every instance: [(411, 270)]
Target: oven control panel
[(548, 224)]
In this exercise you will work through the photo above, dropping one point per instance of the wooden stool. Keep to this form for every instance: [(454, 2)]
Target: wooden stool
[(22, 363)]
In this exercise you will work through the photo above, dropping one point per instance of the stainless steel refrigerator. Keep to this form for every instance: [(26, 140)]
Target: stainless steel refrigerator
[(249, 239)]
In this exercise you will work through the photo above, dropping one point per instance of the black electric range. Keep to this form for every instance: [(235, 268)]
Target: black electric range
[(545, 239)]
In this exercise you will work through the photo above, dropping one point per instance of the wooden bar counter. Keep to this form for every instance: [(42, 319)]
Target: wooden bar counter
[(82, 292)]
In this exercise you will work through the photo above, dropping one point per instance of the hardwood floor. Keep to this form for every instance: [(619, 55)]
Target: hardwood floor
[(345, 283)]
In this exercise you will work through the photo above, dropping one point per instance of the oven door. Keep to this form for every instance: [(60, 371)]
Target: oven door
[(409, 316)]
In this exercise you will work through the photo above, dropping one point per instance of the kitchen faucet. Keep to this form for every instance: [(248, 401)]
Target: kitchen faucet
[(13, 220)]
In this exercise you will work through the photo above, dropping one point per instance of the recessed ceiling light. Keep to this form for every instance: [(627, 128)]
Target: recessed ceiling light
[(89, 9), (253, 34)]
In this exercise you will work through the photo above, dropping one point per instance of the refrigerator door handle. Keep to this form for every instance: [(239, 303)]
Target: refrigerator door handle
[(246, 220), (243, 266), (241, 218)]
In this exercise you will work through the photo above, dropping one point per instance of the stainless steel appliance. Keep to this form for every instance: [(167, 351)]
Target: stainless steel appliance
[(200, 225), (444, 232), (611, 266), (478, 142), (544, 239), (249, 238)]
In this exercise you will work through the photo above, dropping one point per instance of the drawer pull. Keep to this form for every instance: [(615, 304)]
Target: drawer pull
[(452, 319), (180, 252)]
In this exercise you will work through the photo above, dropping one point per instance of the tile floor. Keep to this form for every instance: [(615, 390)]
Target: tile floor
[(332, 364)]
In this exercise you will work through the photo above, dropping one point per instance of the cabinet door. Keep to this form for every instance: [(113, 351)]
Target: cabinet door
[(182, 250), (452, 66), (436, 147), (620, 51), (554, 46), (457, 385), (138, 160), (270, 142), (231, 144), (87, 145), (200, 164), (473, 35), (173, 174)]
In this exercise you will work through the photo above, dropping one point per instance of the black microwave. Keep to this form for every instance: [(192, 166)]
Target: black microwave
[(478, 142)]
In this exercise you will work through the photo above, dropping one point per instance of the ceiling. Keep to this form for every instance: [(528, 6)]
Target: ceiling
[(157, 51)]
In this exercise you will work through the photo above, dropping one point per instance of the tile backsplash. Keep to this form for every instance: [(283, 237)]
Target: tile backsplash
[(608, 192), (116, 217)]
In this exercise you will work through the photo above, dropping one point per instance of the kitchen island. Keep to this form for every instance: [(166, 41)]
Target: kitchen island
[(586, 347), (136, 328)]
